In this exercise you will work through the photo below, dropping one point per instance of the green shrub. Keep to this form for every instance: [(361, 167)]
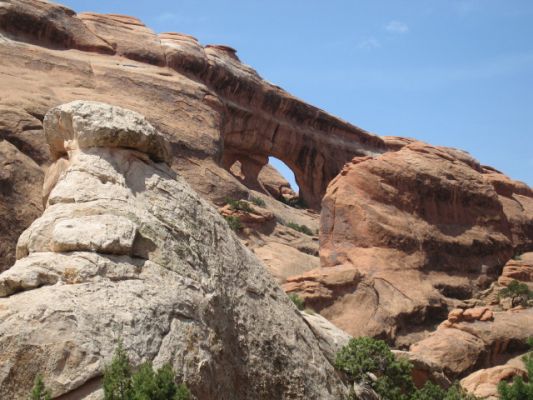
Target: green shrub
[(300, 228), (160, 385), (234, 222), (515, 289), (39, 391), (365, 357), (239, 205), (295, 202), (518, 389), (145, 384), (117, 376), (257, 201), (430, 391), (370, 362), (297, 300)]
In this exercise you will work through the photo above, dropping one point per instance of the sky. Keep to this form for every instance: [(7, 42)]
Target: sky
[(456, 73)]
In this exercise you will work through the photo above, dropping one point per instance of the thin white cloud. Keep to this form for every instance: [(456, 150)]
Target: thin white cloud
[(369, 43), (397, 27)]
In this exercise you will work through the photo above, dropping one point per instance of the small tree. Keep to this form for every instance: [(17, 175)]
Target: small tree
[(518, 292), (144, 384), (39, 391), (370, 362), (117, 376)]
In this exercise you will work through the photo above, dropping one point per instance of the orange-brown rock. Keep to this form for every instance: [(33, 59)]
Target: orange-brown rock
[(203, 99), (20, 201), (423, 226), (256, 215), (484, 382), (520, 269), (461, 348), (128, 36)]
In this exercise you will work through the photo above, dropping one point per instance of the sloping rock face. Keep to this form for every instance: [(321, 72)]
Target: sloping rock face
[(125, 248), (413, 232)]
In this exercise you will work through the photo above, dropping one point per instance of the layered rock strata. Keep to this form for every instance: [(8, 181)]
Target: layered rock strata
[(126, 249)]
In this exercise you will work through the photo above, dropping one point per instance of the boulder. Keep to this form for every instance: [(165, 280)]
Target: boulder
[(484, 382), (157, 267), (460, 348)]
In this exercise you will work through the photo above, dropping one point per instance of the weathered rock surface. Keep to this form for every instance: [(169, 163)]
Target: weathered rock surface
[(209, 105), (422, 227), (20, 197), (460, 348), (484, 383), (330, 338), (157, 266), (520, 269)]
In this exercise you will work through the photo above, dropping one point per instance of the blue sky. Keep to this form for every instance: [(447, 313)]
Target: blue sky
[(450, 72)]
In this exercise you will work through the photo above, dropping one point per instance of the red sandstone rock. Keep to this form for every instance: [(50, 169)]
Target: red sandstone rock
[(128, 36), (423, 225), (462, 347), (520, 269), (20, 202), (484, 382), (48, 24)]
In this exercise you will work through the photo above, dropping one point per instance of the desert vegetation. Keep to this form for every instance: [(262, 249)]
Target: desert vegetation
[(369, 363)]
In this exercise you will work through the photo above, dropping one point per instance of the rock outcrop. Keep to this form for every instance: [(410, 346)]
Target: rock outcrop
[(414, 232), (484, 383), (126, 249), (209, 106), (462, 347), (519, 269)]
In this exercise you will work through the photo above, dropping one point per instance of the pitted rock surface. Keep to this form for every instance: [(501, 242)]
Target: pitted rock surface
[(158, 267)]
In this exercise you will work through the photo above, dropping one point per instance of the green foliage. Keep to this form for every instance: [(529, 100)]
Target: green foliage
[(300, 228), (240, 205), (364, 359), (257, 201), (39, 391), (145, 384), (518, 389), (515, 289), (234, 222), (297, 300), (430, 391), (117, 383), (370, 362), (295, 202), (160, 385)]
